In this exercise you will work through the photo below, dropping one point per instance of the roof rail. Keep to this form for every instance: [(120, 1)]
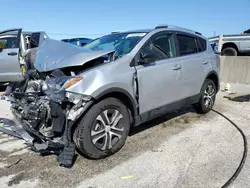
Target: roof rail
[(114, 32), (161, 26), (176, 27), (198, 33)]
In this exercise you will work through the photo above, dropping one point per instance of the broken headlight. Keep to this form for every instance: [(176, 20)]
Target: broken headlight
[(60, 83), (75, 98), (55, 87), (52, 87)]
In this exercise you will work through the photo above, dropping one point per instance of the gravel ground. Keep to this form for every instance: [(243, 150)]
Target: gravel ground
[(181, 149)]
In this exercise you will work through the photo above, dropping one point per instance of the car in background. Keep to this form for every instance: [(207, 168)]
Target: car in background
[(14, 45), (231, 45), (78, 41)]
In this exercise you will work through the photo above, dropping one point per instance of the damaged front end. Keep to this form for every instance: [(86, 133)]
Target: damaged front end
[(43, 103), (47, 112)]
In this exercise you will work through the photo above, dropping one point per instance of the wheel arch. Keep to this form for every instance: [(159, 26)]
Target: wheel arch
[(230, 44), (123, 95), (215, 78), (115, 92)]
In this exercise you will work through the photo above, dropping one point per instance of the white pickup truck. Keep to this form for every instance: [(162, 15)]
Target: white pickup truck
[(231, 45)]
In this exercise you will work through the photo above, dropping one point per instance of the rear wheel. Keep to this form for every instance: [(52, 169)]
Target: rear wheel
[(207, 99), (229, 51), (103, 130)]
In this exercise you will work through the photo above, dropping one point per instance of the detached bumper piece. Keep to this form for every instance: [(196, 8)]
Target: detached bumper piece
[(9, 127), (67, 156), (65, 150)]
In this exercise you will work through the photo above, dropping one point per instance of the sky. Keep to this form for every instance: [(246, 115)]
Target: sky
[(83, 18)]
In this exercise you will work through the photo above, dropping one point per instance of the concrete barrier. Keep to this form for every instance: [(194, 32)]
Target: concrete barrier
[(235, 69)]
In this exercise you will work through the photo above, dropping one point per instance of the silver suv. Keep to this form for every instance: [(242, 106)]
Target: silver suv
[(96, 93)]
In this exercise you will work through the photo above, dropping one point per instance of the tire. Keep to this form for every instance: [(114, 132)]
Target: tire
[(229, 51), (100, 121), (207, 97)]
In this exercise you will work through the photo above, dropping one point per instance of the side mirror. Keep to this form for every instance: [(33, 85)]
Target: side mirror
[(148, 56)]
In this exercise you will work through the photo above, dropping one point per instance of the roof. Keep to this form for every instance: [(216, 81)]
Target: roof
[(134, 31), (163, 27), (73, 39)]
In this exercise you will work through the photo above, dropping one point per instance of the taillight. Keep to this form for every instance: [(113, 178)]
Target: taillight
[(217, 60)]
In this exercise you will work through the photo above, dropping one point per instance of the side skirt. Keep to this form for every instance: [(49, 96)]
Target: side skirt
[(152, 114)]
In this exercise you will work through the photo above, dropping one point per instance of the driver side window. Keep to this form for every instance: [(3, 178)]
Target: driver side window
[(165, 43), (161, 46)]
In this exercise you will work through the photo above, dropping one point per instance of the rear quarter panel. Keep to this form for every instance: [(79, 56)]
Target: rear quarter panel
[(214, 61)]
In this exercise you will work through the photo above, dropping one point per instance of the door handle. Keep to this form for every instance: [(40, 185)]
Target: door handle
[(12, 53), (177, 67), (205, 62)]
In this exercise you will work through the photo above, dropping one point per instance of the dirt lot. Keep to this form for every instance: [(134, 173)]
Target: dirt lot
[(181, 149)]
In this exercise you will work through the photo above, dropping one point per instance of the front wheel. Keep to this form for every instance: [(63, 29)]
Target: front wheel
[(207, 98), (103, 130)]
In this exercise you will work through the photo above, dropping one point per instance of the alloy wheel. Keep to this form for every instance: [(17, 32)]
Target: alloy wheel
[(209, 94), (107, 129)]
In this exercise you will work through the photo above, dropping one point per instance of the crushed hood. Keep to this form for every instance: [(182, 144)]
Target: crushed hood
[(53, 54)]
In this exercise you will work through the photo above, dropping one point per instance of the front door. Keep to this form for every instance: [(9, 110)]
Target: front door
[(159, 73), (10, 70)]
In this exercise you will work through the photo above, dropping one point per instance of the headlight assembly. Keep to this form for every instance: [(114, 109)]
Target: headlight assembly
[(72, 81)]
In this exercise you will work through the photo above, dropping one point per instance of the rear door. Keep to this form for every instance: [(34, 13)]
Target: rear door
[(10, 70), (194, 61)]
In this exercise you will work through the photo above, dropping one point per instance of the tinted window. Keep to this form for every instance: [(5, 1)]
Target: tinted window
[(8, 42), (165, 43), (187, 45), (202, 44), (162, 46)]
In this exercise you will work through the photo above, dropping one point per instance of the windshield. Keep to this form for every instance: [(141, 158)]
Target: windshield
[(122, 43)]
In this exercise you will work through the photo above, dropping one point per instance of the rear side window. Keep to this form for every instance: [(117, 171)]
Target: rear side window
[(187, 45), (202, 44)]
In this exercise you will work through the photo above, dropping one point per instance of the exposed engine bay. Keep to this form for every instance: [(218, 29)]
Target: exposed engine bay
[(47, 112), (41, 103), (45, 103)]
